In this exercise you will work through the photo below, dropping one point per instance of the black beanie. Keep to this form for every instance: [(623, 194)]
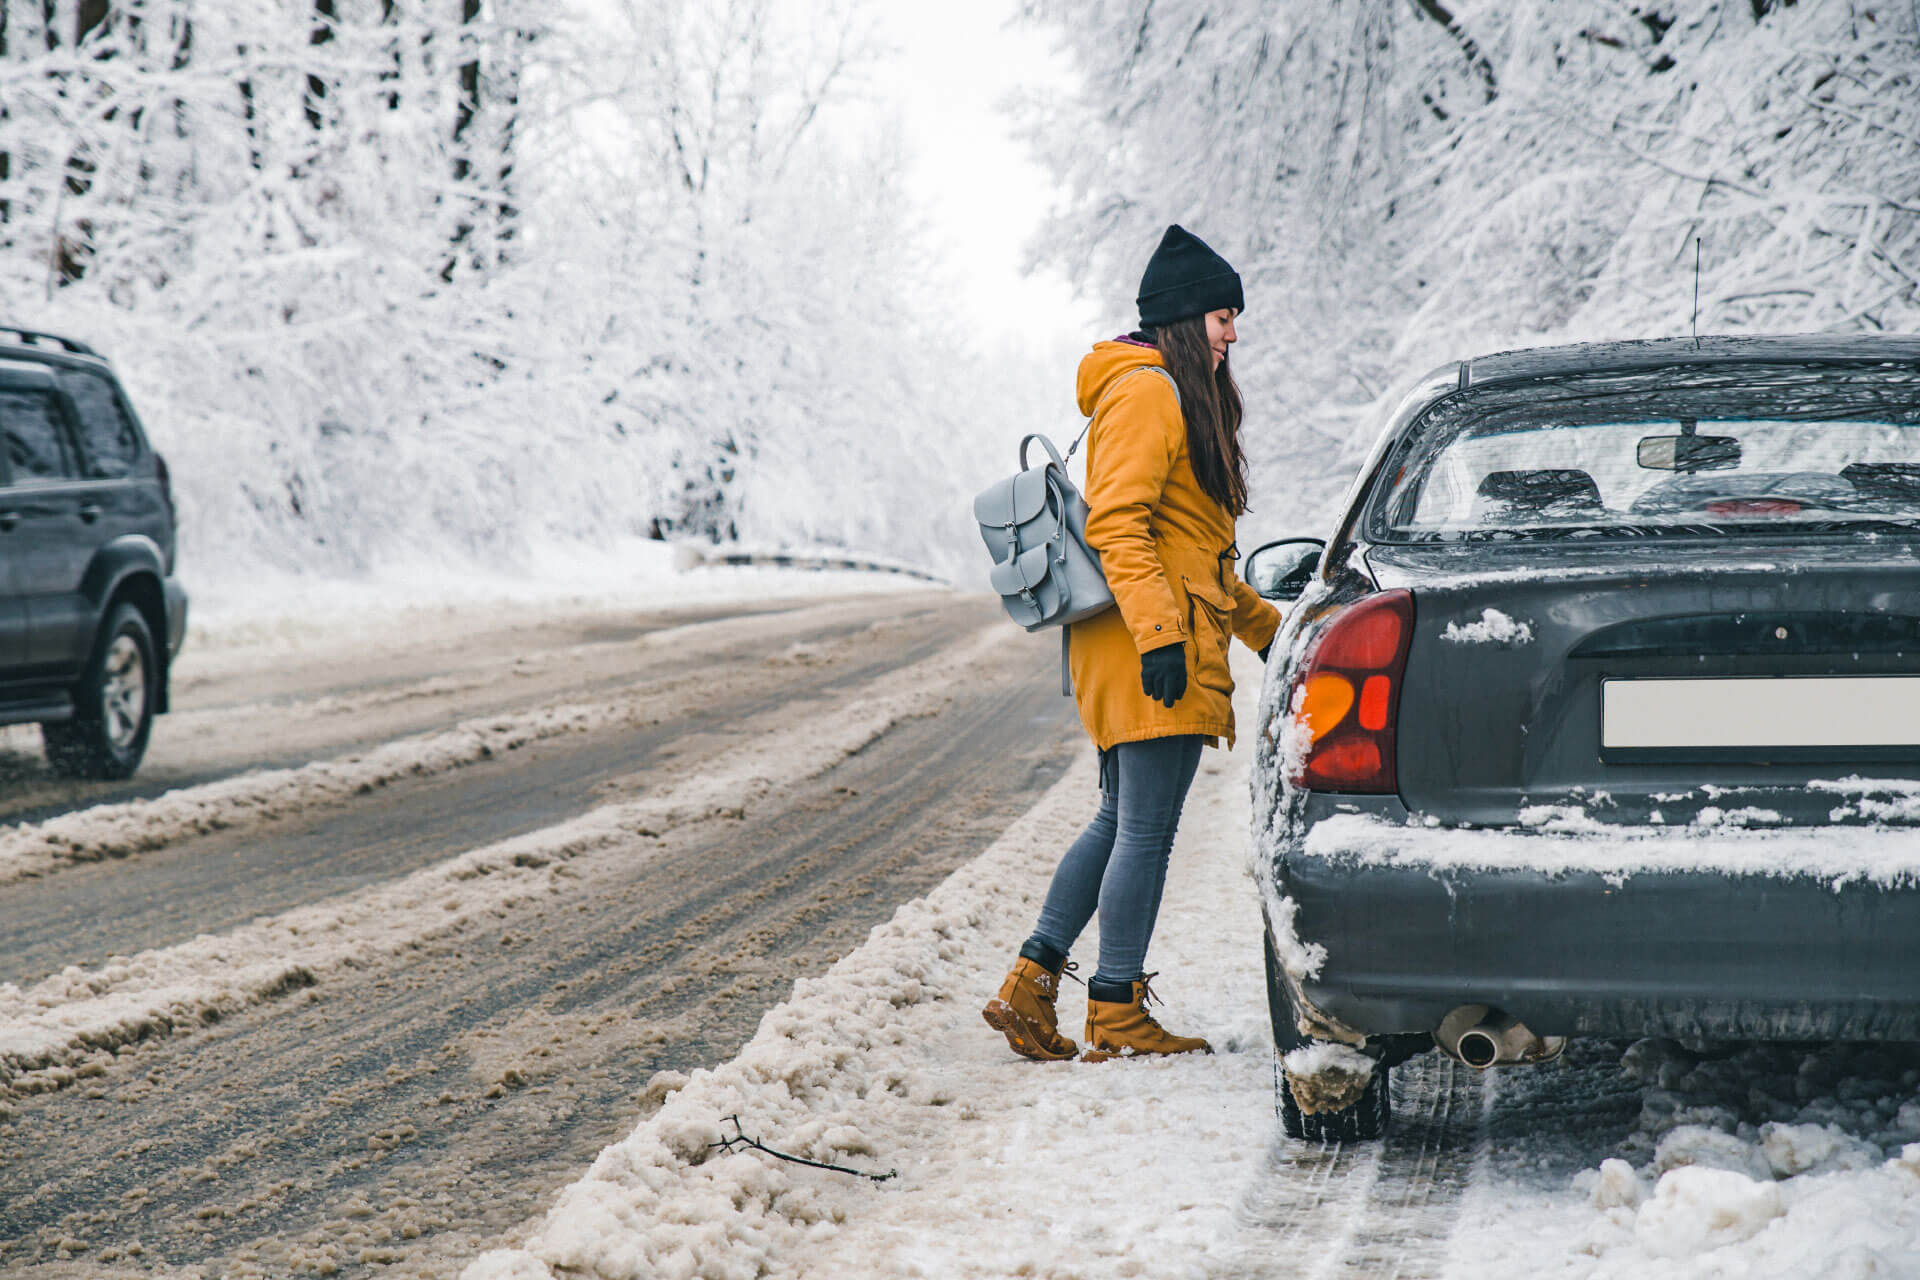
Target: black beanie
[(1185, 278)]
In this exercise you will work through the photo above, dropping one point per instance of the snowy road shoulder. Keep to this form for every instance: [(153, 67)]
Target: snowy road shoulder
[(884, 1064)]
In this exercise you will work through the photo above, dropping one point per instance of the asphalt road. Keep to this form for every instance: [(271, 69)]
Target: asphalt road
[(400, 1117)]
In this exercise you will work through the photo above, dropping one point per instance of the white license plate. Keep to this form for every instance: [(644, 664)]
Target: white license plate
[(1766, 711)]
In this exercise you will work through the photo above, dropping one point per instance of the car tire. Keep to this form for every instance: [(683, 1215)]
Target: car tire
[(112, 704), (1364, 1121), (1369, 1115)]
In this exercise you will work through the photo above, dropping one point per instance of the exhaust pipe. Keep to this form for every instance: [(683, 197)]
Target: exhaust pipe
[(1482, 1037)]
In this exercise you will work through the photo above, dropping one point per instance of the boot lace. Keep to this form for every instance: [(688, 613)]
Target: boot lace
[(1147, 997)]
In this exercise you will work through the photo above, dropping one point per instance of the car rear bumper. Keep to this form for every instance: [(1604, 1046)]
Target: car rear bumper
[(176, 616), (1709, 953)]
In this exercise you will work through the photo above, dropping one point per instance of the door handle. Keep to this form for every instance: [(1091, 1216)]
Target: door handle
[(8, 519), (89, 512)]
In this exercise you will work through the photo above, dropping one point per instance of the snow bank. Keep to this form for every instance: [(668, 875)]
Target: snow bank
[(265, 604), (1770, 1161), (253, 799), (1694, 1210), (49, 1029), (1493, 627), (883, 1063), (1568, 840)]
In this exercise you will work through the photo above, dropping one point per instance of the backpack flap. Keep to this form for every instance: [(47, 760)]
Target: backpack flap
[(1028, 587), (1012, 505)]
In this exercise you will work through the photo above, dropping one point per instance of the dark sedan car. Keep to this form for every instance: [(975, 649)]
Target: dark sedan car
[(1599, 714)]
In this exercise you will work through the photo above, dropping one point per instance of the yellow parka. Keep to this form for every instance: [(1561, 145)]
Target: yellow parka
[(1164, 546)]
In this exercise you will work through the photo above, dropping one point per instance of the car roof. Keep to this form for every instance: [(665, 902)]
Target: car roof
[(30, 346), (1595, 357)]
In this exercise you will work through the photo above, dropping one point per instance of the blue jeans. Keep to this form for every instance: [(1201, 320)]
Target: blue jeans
[(1119, 863)]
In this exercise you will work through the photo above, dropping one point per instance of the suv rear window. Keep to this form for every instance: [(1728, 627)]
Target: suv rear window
[(31, 423), (112, 443), (1701, 450)]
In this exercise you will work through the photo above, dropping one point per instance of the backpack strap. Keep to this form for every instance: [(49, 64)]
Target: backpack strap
[(1066, 632), (1139, 368)]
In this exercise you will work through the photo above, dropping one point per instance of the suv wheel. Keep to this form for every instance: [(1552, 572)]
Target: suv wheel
[(112, 705)]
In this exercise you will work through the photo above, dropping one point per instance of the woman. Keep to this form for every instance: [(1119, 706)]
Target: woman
[(1165, 481)]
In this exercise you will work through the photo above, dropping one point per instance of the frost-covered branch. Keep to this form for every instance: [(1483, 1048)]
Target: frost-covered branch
[(1389, 209), (448, 277)]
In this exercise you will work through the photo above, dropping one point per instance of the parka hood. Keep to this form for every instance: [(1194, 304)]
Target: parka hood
[(1107, 361)]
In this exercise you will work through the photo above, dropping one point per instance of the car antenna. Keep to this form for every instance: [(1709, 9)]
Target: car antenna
[(1696, 291)]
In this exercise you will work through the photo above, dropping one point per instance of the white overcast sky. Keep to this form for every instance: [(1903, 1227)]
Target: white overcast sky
[(955, 65)]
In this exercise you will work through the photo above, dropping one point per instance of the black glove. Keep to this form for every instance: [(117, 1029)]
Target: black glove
[(1163, 673), (1265, 649)]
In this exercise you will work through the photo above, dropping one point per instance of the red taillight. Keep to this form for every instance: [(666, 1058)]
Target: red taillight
[(1365, 640), (1348, 693), (1376, 703)]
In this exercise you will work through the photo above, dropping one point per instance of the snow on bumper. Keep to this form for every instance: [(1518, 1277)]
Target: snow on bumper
[(1788, 934)]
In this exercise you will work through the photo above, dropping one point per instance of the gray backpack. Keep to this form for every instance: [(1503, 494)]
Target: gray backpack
[(1035, 525)]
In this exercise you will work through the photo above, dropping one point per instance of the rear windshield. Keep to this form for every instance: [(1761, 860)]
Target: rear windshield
[(1726, 450)]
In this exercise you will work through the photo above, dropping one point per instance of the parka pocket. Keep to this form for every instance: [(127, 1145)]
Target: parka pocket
[(1210, 623)]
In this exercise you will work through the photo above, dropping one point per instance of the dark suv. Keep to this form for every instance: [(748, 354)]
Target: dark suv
[(90, 615)]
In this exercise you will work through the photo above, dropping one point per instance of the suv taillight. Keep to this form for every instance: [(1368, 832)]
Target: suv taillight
[(1347, 696)]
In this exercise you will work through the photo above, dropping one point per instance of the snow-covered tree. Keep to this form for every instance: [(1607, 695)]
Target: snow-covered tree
[(1405, 181), (420, 278)]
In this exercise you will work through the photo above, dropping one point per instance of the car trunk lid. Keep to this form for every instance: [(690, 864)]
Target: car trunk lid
[(1657, 682)]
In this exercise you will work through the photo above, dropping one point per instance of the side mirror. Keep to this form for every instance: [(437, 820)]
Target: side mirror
[(1689, 453), (1280, 570)]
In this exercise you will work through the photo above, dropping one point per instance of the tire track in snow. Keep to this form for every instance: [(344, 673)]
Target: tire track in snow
[(212, 883), (51, 1031), (1425, 1165), (354, 688), (1300, 1206), (258, 798), (1377, 1209)]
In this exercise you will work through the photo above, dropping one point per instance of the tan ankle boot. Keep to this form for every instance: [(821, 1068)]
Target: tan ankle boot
[(1124, 1029), (1024, 1013)]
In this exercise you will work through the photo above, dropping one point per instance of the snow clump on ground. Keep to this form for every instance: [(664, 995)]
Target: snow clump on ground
[(1758, 1160)]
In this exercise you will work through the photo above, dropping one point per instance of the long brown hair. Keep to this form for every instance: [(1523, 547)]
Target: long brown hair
[(1211, 402)]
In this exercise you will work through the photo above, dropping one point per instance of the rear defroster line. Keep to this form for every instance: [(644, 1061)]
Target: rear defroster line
[(1382, 1209)]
